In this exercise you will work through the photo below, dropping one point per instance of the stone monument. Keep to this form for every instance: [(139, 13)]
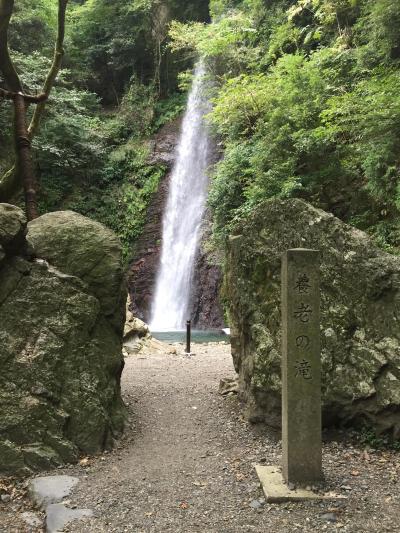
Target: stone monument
[(301, 382), (301, 367)]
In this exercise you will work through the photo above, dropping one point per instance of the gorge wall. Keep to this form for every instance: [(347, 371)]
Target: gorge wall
[(206, 310)]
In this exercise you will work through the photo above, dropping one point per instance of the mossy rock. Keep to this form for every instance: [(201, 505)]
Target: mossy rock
[(360, 296), (61, 345)]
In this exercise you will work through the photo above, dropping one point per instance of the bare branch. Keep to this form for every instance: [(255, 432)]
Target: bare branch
[(54, 69), (24, 157), (29, 98)]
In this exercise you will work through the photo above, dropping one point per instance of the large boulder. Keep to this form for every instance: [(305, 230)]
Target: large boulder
[(85, 249), (62, 310), (360, 324)]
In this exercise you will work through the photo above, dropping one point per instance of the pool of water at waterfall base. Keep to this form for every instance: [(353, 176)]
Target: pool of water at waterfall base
[(198, 336)]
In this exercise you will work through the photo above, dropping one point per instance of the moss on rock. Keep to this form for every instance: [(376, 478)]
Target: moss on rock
[(61, 343), (360, 331)]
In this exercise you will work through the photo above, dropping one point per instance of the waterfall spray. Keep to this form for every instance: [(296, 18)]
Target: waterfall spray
[(183, 214)]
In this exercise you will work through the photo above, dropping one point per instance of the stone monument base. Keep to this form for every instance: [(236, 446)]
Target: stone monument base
[(277, 491)]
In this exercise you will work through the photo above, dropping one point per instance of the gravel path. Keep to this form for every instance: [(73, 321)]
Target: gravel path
[(185, 463)]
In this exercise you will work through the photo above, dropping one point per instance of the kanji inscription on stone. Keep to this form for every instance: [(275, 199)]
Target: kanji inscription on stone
[(301, 367), (303, 284)]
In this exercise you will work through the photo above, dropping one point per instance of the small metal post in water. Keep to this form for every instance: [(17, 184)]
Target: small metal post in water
[(188, 335)]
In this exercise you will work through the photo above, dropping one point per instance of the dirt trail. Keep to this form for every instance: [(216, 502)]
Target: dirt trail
[(180, 466), (185, 463)]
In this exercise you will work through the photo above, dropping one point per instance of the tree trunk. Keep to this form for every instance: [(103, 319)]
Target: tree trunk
[(24, 157), (23, 171)]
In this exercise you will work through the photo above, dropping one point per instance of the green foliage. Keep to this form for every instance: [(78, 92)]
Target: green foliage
[(91, 158), (33, 26), (307, 104), (284, 152), (120, 197), (136, 112), (377, 33), (365, 122), (212, 40), (285, 39), (230, 180), (69, 146), (225, 44), (111, 42), (168, 110)]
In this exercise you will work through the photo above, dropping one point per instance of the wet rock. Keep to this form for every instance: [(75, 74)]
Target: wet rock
[(164, 143), (206, 309), (146, 254), (360, 318)]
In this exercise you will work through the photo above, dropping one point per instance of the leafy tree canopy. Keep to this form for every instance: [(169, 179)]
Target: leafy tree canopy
[(307, 104)]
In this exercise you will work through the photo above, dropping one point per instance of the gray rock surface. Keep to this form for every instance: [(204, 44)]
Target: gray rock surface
[(62, 316), (12, 224), (58, 516), (51, 489), (360, 324), (134, 327), (85, 249)]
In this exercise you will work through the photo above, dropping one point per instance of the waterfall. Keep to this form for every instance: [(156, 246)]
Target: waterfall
[(183, 214)]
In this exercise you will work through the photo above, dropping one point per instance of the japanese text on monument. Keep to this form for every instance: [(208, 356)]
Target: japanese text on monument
[(303, 314)]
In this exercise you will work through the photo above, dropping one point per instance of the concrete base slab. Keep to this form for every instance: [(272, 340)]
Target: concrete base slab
[(276, 490)]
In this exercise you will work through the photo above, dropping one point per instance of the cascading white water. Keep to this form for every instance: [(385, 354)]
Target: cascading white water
[(183, 214)]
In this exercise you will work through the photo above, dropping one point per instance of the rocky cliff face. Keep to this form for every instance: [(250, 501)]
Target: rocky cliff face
[(146, 256), (206, 309), (205, 306), (360, 325), (62, 310)]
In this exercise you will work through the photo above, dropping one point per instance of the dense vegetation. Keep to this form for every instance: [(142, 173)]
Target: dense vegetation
[(306, 103), (119, 85)]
